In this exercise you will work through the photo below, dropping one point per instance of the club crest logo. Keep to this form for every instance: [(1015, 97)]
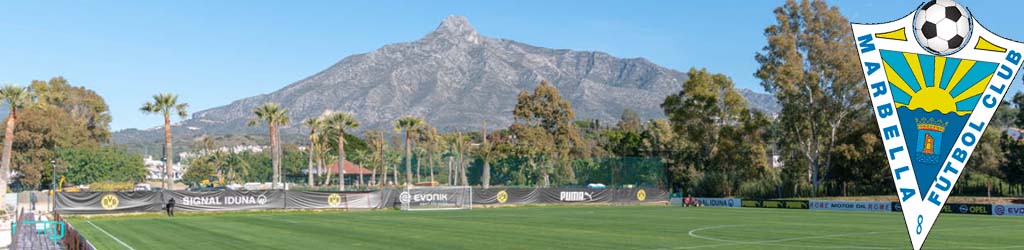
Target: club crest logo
[(502, 196), (935, 78), (641, 195), (109, 202), (334, 200)]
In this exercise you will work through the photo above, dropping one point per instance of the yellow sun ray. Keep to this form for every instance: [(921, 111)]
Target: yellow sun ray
[(915, 66), (974, 90), (940, 63), (895, 79), (961, 70)]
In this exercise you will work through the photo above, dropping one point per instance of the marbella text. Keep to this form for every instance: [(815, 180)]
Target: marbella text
[(885, 111)]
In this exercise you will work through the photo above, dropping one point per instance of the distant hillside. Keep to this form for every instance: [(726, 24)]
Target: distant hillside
[(761, 101), (453, 77)]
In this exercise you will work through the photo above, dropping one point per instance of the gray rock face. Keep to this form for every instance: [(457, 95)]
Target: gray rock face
[(762, 102), (456, 79)]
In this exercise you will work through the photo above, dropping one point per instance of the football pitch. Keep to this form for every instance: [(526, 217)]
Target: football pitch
[(556, 227)]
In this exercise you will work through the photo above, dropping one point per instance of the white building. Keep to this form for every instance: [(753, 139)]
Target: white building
[(155, 169), (186, 156)]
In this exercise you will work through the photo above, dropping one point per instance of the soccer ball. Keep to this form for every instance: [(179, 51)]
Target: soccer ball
[(942, 26)]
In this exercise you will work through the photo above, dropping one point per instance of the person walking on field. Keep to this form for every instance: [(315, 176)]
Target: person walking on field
[(170, 208), (32, 199)]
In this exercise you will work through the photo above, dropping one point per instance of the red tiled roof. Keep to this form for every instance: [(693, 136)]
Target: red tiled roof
[(350, 168)]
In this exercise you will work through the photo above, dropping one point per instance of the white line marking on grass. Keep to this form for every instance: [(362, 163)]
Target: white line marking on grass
[(111, 235), (728, 242), (693, 233)]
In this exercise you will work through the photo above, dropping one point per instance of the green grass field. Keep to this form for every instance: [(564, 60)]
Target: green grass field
[(586, 227)]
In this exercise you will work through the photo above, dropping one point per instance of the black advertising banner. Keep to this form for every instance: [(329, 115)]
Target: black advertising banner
[(435, 198), (788, 204), (574, 195), (635, 195), (752, 203), (330, 200), (500, 196), (956, 208), (226, 200), (108, 202)]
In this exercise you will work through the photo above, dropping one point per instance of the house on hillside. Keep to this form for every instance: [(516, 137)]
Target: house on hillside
[(155, 169)]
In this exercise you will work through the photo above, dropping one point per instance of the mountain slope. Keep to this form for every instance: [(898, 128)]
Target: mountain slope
[(454, 78)]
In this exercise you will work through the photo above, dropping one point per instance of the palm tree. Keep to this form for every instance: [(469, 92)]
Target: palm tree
[(434, 143), (359, 157), (313, 123), (238, 168), (339, 122), (487, 152), (463, 161), (376, 140), (410, 124), (274, 116), (419, 153), (165, 104), (16, 98)]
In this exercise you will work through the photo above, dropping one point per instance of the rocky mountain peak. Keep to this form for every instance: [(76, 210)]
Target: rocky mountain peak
[(455, 29)]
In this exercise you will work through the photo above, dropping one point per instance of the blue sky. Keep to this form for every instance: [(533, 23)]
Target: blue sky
[(215, 52)]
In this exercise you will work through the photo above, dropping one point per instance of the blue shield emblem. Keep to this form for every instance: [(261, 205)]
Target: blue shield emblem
[(936, 77)]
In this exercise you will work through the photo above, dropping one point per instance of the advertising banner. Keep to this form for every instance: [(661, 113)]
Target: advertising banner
[(1007, 210), (574, 195), (330, 200), (789, 204), (108, 202), (956, 208), (866, 206), (501, 196), (425, 198), (719, 202), (636, 195), (227, 200), (752, 203)]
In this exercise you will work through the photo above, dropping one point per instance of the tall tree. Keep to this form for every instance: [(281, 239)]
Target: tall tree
[(409, 124), (433, 140), (62, 117), (377, 143), (630, 121), (545, 122), (338, 123), (359, 157), (425, 139), (313, 123), (811, 66), (17, 97), (462, 145), (85, 107), (166, 104), (726, 143), (488, 152), (238, 168), (660, 141), (274, 116)]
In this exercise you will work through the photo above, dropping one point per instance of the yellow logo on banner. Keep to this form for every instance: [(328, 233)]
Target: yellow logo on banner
[(109, 202), (334, 200), (502, 196), (641, 195)]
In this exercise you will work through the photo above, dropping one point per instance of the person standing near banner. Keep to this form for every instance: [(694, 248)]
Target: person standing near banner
[(32, 199), (170, 208)]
